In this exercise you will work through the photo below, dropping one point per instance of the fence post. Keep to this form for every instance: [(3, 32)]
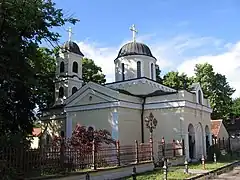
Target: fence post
[(165, 169), (183, 147), (136, 152), (151, 147), (94, 154), (229, 146), (118, 152), (62, 149), (134, 173), (186, 166), (163, 147), (87, 176), (214, 158), (223, 141), (174, 151), (203, 162)]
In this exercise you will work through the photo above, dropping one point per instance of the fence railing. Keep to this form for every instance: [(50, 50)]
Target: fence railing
[(222, 143), (51, 160), (170, 149)]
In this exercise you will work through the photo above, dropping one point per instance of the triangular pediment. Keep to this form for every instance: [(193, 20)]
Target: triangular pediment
[(195, 87), (92, 94)]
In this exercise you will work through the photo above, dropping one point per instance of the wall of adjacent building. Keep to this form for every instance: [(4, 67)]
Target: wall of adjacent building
[(223, 132)]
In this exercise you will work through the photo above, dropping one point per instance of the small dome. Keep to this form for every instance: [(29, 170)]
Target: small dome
[(135, 48), (72, 47)]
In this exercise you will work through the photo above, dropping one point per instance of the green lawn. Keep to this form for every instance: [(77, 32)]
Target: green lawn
[(174, 173), (178, 173), (208, 165)]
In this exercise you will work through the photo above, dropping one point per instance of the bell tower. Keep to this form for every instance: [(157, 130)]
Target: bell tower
[(68, 70)]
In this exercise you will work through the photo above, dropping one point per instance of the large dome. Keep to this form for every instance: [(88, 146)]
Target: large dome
[(135, 48), (72, 47)]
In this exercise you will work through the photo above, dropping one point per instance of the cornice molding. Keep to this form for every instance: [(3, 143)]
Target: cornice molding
[(162, 105)]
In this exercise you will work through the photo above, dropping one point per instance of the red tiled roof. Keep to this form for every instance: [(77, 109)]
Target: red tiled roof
[(36, 131), (215, 126)]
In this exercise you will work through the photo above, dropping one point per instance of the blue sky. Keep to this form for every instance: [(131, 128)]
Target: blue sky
[(180, 33)]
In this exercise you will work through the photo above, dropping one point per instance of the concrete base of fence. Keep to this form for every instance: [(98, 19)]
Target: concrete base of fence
[(176, 161), (113, 173)]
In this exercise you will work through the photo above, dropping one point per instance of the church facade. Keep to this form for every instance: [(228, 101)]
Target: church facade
[(122, 106)]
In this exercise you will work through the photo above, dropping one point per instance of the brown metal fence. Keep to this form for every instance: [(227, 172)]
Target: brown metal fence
[(50, 160), (222, 144)]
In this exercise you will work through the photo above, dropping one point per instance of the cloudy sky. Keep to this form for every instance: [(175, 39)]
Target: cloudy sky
[(180, 33)]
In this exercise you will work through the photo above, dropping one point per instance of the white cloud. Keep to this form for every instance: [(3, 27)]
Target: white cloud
[(179, 53), (226, 63)]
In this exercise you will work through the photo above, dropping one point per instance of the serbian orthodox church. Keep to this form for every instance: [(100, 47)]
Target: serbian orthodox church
[(121, 106)]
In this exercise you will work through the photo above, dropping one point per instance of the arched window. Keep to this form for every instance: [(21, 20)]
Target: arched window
[(199, 97), (74, 89), (75, 67), (138, 69), (123, 71), (61, 67), (61, 92), (152, 71)]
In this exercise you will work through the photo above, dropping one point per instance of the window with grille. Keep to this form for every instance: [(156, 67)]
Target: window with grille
[(123, 71), (138, 69), (75, 67)]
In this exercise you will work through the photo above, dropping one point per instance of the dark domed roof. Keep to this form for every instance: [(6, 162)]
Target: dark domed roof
[(72, 47), (135, 48)]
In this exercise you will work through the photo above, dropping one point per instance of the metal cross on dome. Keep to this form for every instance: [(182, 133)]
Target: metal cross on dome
[(70, 33), (134, 31)]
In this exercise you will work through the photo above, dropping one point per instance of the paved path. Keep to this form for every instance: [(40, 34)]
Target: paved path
[(234, 174)]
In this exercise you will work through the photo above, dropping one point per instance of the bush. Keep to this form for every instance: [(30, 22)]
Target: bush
[(211, 150)]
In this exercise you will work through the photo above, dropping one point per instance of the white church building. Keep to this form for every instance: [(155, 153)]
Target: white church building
[(121, 106)]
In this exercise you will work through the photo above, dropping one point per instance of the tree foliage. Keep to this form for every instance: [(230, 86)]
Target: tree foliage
[(92, 72), (236, 107), (177, 81), (82, 138), (216, 89), (214, 85), (158, 74), (24, 24)]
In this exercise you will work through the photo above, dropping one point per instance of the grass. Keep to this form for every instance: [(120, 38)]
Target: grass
[(208, 165), (174, 173), (178, 172)]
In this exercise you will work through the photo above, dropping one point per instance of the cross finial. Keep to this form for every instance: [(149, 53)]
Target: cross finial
[(134, 31), (69, 33)]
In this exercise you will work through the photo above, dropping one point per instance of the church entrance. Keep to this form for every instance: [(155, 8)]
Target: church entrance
[(191, 141), (207, 136)]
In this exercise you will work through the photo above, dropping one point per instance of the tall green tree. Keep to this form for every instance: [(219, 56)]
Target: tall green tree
[(24, 24), (236, 107), (216, 89), (176, 80), (44, 66), (92, 72), (158, 74)]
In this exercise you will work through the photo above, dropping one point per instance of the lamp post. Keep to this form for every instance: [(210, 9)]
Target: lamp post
[(151, 124)]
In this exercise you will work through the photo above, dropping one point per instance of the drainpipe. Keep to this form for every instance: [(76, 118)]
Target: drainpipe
[(142, 119)]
